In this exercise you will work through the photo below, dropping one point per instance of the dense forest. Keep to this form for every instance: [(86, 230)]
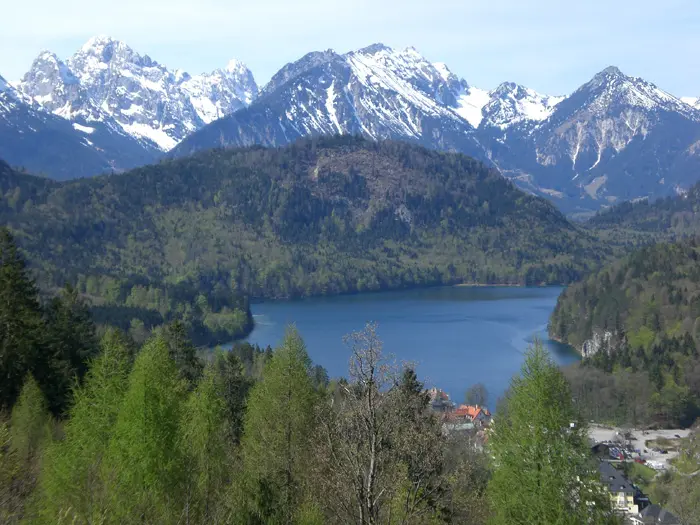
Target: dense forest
[(108, 431), (637, 323), (322, 216), (671, 216)]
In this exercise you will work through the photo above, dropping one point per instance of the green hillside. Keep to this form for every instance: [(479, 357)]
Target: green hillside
[(321, 216), (639, 320)]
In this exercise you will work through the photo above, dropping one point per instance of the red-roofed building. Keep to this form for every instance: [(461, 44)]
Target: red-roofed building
[(480, 416)]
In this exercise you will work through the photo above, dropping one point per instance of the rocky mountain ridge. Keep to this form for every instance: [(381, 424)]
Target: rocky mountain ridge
[(107, 81)]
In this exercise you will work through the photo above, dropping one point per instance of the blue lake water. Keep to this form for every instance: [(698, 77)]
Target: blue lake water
[(457, 336)]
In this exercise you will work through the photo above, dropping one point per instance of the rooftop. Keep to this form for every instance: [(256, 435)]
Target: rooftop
[(615, 480), (659, 515)]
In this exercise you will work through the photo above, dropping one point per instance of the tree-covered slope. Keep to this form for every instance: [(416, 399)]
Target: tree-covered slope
[(319, 216), (678, 215), (639, 318)]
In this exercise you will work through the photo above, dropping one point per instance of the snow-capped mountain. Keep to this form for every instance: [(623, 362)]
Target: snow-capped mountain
[(375, 91), (107, 81), (615, 138), (692, 101), (511, 104), (46, 143)]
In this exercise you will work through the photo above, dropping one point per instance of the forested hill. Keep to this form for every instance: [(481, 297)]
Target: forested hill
[(641, 315), (320, 216), (676, 216)]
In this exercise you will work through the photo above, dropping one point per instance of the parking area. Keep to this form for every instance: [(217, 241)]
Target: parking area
[(655, 447)]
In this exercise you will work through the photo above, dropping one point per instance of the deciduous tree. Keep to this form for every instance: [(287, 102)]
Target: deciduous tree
[(542, 465)]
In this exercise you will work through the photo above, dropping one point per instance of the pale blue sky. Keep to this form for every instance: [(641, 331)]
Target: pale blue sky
[(552, 46)]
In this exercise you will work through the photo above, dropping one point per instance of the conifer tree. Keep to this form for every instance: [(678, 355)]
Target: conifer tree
[(207, 449), (143, 466), (183, 352), (20, 321), (70, 343), (30, 423), (29, 433), (543, 470), (234, 387), (70, 486), (276, 439)]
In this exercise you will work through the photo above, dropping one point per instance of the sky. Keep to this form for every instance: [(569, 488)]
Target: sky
[(552, 46)]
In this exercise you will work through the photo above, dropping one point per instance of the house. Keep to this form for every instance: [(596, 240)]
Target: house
[(480, 416), (621, 491), (655, 515)]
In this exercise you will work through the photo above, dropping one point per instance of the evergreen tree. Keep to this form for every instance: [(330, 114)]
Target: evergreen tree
[(234, 387), (30, 431), (30, 423), (143, 465), (276, 439), (70, 343), (183, 352), (204, 441), (543, 471), (20, 321), (71, 487)]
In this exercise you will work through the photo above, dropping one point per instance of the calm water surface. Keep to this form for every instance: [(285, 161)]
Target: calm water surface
[(457, 335)]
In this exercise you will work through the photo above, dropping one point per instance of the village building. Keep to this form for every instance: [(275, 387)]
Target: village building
[(622, 492), (479, 416)]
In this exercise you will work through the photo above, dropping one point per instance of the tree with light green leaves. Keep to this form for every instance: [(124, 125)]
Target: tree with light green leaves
[(71, 486), (276, 438), (207, 449), (543, 472), (29, 432), (144, 466)]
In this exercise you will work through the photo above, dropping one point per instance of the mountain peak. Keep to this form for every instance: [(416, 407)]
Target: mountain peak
[(98, 41), (4, 86), (612, 71), (608, 74), (236, 66), (374, 49)]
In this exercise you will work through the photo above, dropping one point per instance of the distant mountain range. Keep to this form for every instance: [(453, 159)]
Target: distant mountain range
[(615, 138)]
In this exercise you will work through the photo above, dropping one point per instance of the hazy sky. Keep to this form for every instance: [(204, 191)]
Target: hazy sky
[(550, 45)]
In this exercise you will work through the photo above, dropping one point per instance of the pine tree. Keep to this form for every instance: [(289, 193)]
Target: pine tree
[(70, 486), (70, 343), (276, 439), (183, 352), (144, 466), (204, 441), (543, 471), (20, 321), (234, 387)]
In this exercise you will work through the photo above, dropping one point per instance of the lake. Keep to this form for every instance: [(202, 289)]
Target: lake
[(457, 336)]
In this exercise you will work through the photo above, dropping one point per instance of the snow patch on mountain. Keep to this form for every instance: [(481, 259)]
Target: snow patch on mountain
[(471, 103), (692, 101)]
